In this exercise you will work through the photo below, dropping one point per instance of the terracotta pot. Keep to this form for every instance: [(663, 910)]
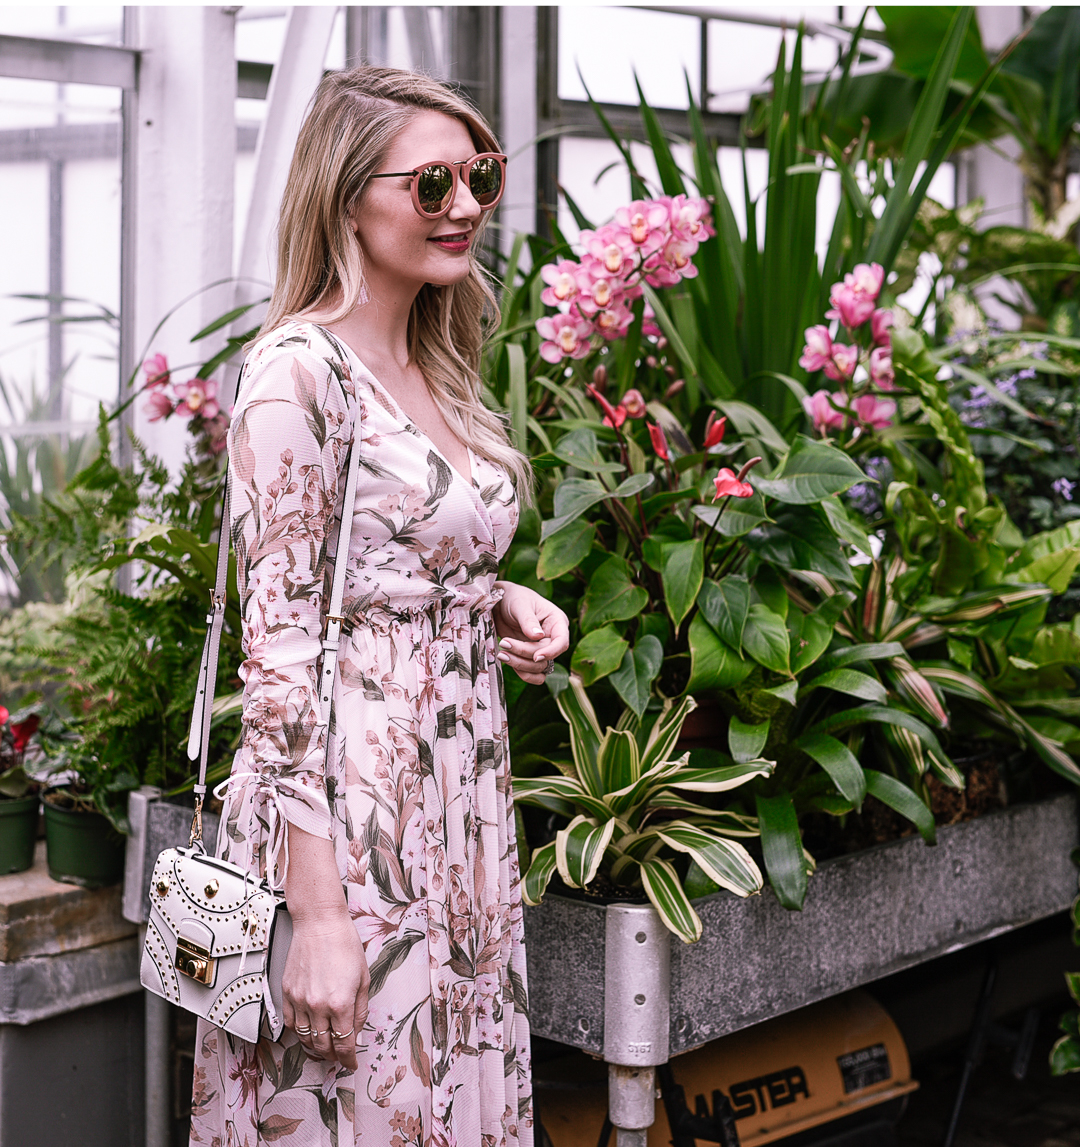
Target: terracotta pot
[(18, 832), (82, 848)]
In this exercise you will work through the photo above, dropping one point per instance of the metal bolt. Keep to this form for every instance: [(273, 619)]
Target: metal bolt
[(639, 999), (641, 937), (583, 1024)]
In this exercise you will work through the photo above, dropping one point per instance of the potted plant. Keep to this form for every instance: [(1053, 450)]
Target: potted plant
[(19, 800)]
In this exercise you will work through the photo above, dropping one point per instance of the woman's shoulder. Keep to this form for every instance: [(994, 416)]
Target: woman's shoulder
[(298, 346)]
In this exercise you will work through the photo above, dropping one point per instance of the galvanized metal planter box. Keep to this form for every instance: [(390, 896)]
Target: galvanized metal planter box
[(866, 916)]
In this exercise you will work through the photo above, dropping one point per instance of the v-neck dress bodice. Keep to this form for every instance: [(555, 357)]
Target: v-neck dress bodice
[(408, 777)]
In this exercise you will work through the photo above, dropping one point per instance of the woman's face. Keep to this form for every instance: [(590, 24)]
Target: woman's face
[(401, 248)]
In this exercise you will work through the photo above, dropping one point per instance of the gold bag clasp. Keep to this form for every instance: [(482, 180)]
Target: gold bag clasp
[(194, 961)]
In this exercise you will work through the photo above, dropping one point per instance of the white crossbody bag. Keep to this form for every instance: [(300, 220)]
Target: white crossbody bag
[(217, 937)]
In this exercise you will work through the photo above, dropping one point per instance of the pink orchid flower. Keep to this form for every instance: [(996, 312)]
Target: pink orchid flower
[(874, 411), (843, 362), (566, 336), (818, 351), (156, 369), (614, 322), (645, 221), (158, 406), (714, 430), (728, 485), (881, 368), (853, 299), (691, 218), (659, 441), (821, 411), (197, 397), (880, 321), (562, 280), (597, 290), (605, 247), (634, 403)]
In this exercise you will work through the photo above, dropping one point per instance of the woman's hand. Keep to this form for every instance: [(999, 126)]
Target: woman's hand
[(326, 979), (325, 987), (532, 632)]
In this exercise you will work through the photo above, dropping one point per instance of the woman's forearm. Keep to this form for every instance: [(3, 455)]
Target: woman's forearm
[(313, 884)]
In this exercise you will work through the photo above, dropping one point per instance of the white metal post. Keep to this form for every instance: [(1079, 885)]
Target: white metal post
[(518, 116), (185, 157)]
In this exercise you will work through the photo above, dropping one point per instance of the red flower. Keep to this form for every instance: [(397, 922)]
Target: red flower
[(23, 731), (4, 715), (659, 441), (617, 416), (727, 485), (714, 430), (609, 411), (634, 403)]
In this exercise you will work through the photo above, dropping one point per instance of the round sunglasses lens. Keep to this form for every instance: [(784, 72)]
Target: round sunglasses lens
[(485, 181), (434, 186)]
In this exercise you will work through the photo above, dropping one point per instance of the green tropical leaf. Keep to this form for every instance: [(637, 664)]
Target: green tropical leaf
[(598, 653), (781, 844), (665, 890), (726, 604), (585, 735), (635, 484), (728, 863), (664, 734), (801, 540), (539, 875), (1054, 570), (579, 849), (713, 663), (682, 567), (611, 595), (812, 471), (766, 638), (849, 681), (816, 630), (572, 498), (870, 651), (901, 799), (566, 549), (838, 761), (640, 667), (581, 450), (719, 778), (746, 742), (618, 760)]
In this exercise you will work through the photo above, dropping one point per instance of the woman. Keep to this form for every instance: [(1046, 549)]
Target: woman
[(393, 832)]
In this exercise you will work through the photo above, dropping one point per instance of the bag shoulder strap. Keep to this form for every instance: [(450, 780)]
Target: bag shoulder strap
[(199, 733)]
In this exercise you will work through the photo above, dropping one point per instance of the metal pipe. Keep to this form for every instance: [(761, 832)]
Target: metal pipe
[(158, 1037)]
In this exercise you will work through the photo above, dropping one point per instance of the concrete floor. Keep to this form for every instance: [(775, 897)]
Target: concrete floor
[(999, 1111)]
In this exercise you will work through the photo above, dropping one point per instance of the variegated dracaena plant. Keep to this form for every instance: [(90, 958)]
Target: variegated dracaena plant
[(624, 796)]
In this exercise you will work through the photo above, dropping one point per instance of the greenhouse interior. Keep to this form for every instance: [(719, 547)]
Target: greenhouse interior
[(720, 727)]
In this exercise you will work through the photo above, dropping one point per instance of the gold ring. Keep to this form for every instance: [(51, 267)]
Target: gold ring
[(302, 1031), (343, 1035)]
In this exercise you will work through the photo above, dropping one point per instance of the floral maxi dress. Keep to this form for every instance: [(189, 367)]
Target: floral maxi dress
[(410, 779)]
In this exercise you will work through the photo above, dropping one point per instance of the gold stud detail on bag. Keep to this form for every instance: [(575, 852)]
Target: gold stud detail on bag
[(211, 889), (162, 887)]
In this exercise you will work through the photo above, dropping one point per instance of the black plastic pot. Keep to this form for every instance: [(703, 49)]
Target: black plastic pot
[(82, 847), (18, 831)]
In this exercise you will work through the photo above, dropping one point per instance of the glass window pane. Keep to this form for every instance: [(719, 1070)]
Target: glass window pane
[(60, 163), (90, 23), (742, 57), (608, 44)]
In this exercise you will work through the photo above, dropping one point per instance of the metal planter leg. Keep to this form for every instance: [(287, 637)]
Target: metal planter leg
[(637, 995)]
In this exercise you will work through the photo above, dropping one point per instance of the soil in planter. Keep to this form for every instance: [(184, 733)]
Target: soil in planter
[(826, 836)]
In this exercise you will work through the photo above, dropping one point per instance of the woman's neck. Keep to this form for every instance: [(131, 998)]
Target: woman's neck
[(379, 327)]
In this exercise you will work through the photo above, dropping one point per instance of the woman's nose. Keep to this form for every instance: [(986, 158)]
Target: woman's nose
[(464, 205)]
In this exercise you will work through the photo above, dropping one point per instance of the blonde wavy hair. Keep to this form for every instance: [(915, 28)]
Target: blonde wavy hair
[(354, 118)]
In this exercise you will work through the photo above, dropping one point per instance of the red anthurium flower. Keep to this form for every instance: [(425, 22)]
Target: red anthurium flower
[(24, 730), (714, 430), (617, 416), (606, 407), (4, 715), (659, 441), (728, 485)]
